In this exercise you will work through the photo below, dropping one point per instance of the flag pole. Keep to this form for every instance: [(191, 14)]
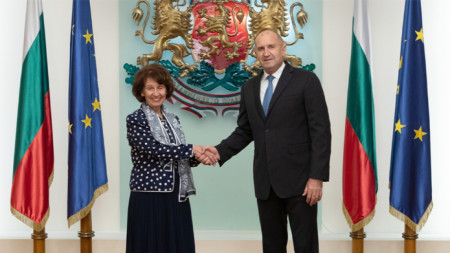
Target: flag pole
[(39, 241), (358, 241), (86, 234), (410, 237)]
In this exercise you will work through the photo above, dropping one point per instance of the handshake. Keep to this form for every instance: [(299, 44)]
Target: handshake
[(207, 155)]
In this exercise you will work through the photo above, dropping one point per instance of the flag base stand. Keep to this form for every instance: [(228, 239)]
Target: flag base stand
[(358, 241), (410, 237), (39, 241), (86, 234)]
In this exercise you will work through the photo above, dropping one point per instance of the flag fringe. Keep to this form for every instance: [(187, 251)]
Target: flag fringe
[(413, 226), (83, 212), (29, 222), (362, 223)]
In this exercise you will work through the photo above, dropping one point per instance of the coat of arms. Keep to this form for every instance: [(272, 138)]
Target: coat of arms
[(209, 44)]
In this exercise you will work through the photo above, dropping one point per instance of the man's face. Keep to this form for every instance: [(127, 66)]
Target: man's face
[(270, 50)]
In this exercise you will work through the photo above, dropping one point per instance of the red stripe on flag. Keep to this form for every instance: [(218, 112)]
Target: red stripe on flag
[(358, 178), (30, 186)]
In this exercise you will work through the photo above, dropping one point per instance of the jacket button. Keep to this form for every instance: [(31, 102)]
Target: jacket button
[(267, 130)]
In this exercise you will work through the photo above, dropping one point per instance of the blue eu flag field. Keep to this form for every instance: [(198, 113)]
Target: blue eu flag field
[(410, 174), (87, 165)]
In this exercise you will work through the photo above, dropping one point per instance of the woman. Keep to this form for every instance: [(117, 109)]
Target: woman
[(159, 214)]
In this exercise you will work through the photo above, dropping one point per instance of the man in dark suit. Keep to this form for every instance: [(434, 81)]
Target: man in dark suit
[(283, 110)]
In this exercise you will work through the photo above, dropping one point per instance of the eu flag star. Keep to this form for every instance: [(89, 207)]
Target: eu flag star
[(399, 126), (419, 134), (419, 35), (87, 122), (88, 37), (96, 105)]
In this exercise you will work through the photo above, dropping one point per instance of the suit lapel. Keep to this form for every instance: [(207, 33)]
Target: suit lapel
[(281, 85)]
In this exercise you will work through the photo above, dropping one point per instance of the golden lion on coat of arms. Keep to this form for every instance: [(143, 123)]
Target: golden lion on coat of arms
[(168, 23), (273, 17)]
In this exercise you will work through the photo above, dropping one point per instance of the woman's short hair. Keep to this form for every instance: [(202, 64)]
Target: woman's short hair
[(155, 72)]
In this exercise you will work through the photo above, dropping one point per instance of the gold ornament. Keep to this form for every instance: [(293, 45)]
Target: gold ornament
[(168, 23)]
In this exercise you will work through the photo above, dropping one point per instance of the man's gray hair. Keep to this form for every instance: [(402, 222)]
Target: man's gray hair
[(267, 29)]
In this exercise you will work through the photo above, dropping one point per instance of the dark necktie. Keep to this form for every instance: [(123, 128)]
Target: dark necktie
[(268, 95)]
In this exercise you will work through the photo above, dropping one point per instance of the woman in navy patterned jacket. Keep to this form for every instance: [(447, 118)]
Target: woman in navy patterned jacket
[(159, 214)]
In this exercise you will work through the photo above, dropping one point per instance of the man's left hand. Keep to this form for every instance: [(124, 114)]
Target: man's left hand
[(313, 191)]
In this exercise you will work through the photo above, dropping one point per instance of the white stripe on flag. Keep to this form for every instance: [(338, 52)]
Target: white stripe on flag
[(32, 24), (361, 27)]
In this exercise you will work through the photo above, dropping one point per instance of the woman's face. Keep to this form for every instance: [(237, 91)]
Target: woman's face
[(154, 93)]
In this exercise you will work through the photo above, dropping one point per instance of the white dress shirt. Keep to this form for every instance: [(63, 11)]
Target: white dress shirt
[(265, 81)]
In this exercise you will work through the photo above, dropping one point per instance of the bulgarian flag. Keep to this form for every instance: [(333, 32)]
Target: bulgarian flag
[(33, 156), (359, 181)]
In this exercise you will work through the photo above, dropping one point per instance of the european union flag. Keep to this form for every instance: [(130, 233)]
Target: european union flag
[(410, 175), (87, 165)]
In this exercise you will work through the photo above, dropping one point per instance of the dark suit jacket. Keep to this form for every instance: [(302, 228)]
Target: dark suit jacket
[(293, 143)]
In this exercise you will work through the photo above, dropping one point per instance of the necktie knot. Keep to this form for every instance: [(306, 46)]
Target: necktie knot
[(268, 95)]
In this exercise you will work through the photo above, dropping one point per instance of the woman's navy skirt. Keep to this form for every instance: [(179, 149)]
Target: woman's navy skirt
[(158, 223)]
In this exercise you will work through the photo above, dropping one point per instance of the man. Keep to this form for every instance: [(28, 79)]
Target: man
[(291, 131)]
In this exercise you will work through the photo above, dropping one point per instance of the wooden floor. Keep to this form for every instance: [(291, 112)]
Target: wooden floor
[(228, 246)]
